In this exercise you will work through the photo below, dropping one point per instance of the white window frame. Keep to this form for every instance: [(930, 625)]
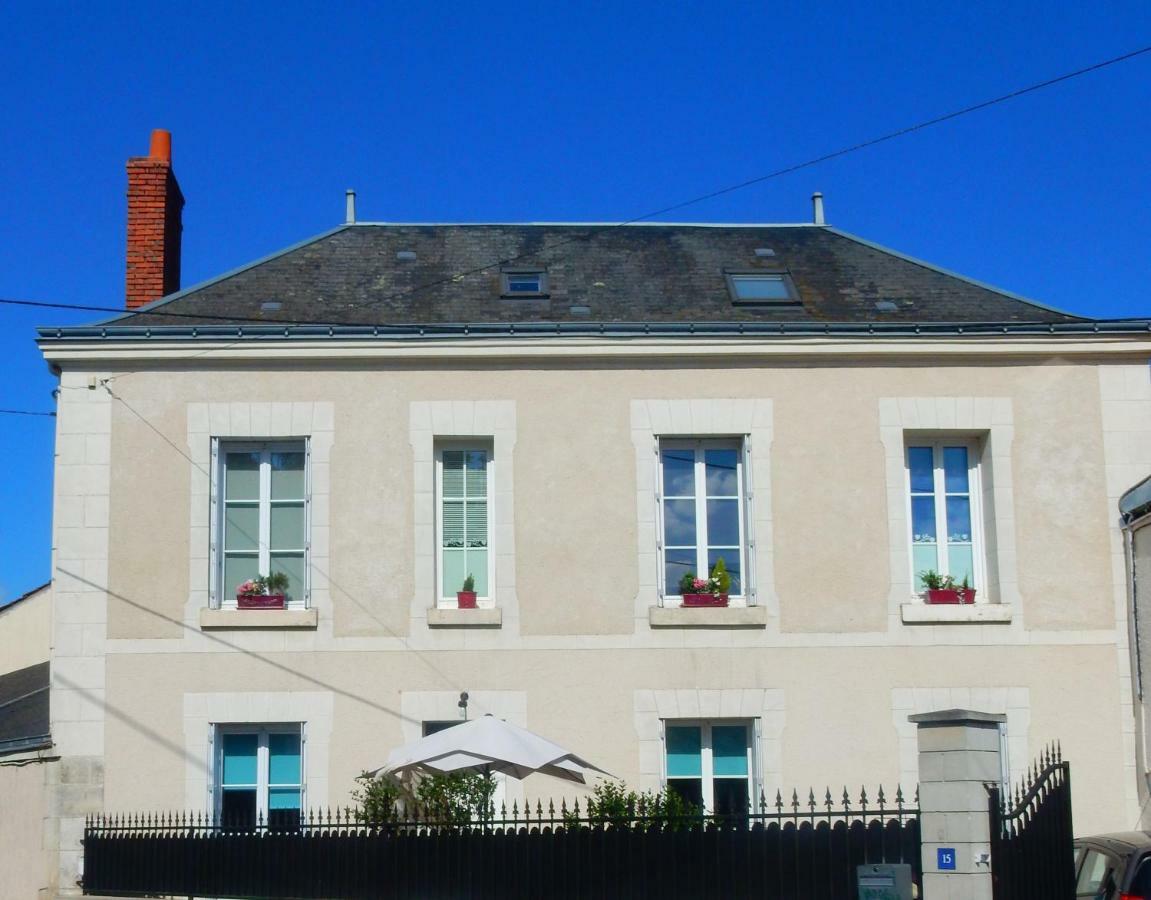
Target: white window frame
[(975, 495), (487, 446), (707, 761), (221, 595), (263, 786), (669, 593)]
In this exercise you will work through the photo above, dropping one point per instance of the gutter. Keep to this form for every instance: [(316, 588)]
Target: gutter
[(527, 330)]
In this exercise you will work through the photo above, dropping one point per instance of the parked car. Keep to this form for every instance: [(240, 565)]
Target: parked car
[(1114, 866)]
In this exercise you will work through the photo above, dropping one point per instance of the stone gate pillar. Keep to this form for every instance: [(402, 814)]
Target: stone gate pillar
[(958, 755)]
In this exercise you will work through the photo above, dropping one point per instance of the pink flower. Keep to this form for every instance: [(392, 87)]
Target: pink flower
[(699, 584)]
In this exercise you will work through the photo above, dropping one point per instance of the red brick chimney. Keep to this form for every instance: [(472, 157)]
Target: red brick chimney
[(155, 205)]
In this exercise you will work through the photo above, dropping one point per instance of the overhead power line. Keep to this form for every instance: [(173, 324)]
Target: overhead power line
[(759, 179), (24, 412)]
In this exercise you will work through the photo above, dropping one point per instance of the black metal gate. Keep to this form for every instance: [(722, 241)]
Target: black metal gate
[(1031, 834)]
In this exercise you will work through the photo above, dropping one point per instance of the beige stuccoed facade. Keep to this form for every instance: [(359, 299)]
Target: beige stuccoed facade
[(827, 666)]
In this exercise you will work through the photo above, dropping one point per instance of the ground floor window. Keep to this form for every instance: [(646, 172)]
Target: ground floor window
[(709, 763), (259, 776)]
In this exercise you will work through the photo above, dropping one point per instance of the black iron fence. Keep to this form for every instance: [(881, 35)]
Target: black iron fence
[(786, 849), (1032, 854)]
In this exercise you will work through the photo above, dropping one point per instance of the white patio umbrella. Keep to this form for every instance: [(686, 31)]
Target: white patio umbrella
[(488, 745)]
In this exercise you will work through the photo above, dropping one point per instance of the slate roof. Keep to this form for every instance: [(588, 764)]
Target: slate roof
[(24, 723), (655, 273)]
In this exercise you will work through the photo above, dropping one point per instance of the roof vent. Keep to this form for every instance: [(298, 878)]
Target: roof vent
[(764, 251), (405, 254), (271, 305), (580, 310), (886, 305)]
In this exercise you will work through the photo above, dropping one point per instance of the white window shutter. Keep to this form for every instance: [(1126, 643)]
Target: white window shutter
[(214, 526), (749, 525), (307, 523), (660, 587)]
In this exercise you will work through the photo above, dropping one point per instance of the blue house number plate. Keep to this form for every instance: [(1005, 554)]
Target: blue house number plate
[(945, 858)]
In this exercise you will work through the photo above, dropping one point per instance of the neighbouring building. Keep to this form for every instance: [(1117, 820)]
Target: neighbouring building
[(1135, 513), (578, 415), (26, 754)]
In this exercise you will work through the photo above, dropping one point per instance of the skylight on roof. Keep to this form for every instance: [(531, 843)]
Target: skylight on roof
[(524, 283), (761, 288)]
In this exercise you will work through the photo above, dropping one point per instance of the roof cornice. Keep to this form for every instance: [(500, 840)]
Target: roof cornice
[(211, 344)]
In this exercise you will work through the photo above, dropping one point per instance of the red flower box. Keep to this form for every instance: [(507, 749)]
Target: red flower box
[(950, 595), (260, 601), (466, 599), (705, 599)]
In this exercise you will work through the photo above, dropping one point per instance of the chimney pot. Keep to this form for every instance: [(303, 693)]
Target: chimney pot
[(350, 206), (817, 208), (161, 146)]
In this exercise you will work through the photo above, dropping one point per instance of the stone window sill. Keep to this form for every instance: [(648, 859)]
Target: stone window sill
[(445, 617), (258, 618), (955, 614), (707, 617)]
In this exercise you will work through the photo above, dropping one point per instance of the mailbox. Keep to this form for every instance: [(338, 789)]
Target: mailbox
[(881, 881)]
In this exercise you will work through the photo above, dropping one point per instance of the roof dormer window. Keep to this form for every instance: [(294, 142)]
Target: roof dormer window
[(761, 288), (524, 283)]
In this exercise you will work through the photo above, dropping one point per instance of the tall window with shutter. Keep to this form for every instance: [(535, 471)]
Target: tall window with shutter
[(464, 521)]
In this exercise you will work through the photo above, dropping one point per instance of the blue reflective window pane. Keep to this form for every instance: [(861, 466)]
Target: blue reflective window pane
[(679, 523), (239, 758), (731, 563), (678, 473), (721, 469), (923, 519), (283, 759), (919, 462), (684, 753), (760, 287), (958, 519), (678, 564), (284, 798), (729, 750), (955, 470), (723, 523)]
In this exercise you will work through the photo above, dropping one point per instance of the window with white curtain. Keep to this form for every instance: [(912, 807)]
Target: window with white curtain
[(944, 493), (261, 495), (463, 521)]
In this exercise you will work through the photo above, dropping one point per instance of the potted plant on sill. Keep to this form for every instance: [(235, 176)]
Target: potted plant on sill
[(262, 592), (711, 591), (466, 598), (944, 588)]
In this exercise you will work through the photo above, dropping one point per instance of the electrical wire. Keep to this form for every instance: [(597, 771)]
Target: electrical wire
[(760, 179), (25, 412)]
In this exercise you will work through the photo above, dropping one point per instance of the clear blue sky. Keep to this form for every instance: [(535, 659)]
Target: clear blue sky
[(555, 111)]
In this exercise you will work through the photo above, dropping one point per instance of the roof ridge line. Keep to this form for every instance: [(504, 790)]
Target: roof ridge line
[(624, 224)]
